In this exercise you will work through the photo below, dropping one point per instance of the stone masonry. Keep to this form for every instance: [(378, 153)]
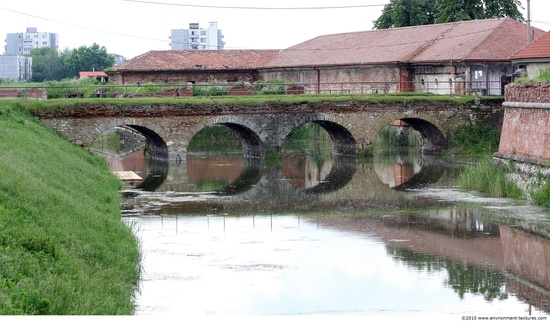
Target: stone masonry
[(352, 124)]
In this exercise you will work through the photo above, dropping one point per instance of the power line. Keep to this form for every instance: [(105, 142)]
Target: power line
[(255, 8), (83, 27)]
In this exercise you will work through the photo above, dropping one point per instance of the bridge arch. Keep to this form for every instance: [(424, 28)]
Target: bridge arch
[(252, 143), (432, 138), (342, 139), (155, 142)]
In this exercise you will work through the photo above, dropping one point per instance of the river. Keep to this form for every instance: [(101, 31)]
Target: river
[(393, 235)]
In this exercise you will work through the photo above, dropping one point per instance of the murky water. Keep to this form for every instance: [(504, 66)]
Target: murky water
[(221, 236)]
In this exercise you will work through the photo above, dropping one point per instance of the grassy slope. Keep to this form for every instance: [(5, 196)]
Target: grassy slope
[(63, 246)]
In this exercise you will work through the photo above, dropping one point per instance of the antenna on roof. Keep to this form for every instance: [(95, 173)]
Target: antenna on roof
[(528, 22)]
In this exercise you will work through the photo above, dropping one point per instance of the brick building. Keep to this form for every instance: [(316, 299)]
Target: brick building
[(192, 66), (451, 58)]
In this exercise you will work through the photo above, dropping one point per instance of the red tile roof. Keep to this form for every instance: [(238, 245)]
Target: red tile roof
[(490, 39), (198, 60), (538, 49), (475, 40)]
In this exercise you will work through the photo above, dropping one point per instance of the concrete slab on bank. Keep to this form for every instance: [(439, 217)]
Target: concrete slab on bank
[(128, 175)]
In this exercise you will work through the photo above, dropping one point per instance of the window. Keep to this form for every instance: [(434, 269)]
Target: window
[(203, 39), (478, 74), (203, 32)]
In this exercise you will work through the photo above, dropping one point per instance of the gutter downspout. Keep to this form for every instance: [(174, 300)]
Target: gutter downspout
[(487, 81), (318, 80)]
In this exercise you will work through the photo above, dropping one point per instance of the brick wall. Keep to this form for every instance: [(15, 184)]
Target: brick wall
[(9, 93), (526, 127)]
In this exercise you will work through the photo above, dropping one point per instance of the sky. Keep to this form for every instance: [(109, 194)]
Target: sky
[(134, 27)]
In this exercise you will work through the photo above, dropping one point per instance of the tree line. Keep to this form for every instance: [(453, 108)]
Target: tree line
[(50, 64)]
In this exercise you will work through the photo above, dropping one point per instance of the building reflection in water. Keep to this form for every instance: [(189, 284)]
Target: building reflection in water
[(495, 259)]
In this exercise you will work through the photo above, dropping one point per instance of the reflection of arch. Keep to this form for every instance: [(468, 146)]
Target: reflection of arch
[(156, 177), (430, 172), (155, 143), (342, 139), (250, 176), (433, 139), (340, 175)]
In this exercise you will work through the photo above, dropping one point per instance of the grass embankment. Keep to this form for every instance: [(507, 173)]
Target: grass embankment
[(64, 249)]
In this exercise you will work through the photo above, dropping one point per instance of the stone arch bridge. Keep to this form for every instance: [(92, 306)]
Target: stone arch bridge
[(352, 124)]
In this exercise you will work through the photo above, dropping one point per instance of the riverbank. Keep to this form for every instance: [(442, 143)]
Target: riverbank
[(64, 249)]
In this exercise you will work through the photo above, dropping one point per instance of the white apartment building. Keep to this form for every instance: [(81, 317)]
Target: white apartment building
[(15, 68), (196, 38), (23, 43)]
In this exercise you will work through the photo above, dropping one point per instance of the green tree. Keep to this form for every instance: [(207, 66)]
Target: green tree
[(46, 64), (504, 8), (404, 13), (86, 59), (452, 10)]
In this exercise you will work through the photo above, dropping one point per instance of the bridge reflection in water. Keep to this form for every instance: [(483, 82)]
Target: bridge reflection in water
[(495, 259)]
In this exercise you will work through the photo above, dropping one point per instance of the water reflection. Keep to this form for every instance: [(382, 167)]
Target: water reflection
[(330, 264), (408, 169), (223, 236)]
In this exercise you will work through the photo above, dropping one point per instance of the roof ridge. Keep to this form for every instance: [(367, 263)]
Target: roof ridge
[(423, 48)]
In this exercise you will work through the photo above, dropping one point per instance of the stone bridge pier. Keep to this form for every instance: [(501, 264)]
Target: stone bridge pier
[(264, 127)]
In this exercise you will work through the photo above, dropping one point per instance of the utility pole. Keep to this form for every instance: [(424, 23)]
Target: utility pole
[(528, 22)]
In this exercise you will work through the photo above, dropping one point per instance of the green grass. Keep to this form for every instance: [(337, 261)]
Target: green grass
[(485, 177), (408, 99), (64, 249), (541, 194)]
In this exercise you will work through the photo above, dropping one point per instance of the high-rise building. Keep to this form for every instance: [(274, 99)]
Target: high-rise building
[(196, 38), (23, 43)]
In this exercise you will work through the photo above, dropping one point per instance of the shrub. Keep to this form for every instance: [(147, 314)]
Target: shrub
[(476, 139), (270, 87)]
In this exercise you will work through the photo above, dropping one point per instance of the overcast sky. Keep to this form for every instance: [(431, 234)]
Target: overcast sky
[(132, 27)]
